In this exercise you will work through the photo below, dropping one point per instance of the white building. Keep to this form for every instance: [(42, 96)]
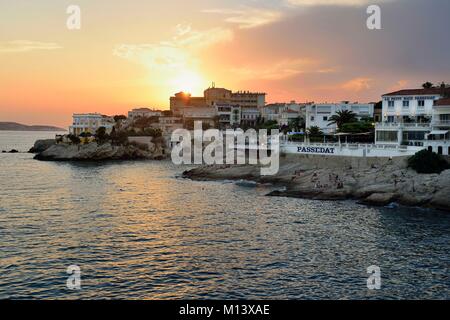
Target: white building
[(229, 115), (143, 113), (90, 122), (318, 115), (407, 116), (438, 140)]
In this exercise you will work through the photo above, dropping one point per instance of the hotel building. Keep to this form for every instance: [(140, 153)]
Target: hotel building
[(250, 103), (90, 122), (413, 116), (318, 115)]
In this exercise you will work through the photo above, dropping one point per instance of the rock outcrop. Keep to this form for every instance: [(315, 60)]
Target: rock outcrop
[(96, 152), (374, 181), (42, 145)]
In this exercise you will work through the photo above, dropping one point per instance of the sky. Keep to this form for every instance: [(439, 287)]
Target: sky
[(137, 53)]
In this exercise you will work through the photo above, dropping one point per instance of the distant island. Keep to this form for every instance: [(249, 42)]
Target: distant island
[(13, 126)]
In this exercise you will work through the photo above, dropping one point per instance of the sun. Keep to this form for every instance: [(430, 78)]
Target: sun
[(189, 82)]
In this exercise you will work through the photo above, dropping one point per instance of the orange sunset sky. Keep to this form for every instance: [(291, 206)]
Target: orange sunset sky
[(137, 53)]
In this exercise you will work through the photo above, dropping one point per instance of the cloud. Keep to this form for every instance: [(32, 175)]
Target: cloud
[(357, 84), (173, 53), (283, 69), (401, 84), (246, 17), (17, 46)]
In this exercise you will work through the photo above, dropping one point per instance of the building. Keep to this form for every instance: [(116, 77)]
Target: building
[(205, 114), (90, 122), (438, 140), (229, 116), (143, 113), (215, 96), (169, 124), (183, 100), (318, 115), (251, 103), (288, 115), (407, 115)]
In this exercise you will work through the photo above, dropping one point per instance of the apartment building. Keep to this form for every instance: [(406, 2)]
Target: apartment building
[(409, 116), (318, 115), (90, 122)]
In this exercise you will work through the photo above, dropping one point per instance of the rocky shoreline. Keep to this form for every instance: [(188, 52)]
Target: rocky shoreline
[(371, 181), (49, 150)]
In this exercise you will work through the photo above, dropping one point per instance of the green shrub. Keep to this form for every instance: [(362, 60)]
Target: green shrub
[(426, 161)]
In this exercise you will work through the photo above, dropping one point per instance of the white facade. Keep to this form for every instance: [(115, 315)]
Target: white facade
[(318, 115), (90, 122), (409, 116), (143, 113)]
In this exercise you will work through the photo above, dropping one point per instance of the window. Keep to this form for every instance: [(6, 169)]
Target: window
[(387, 136), (421, 103), (325, 118), (406, 104), (390, 119), (391, 104), (312, 118), (413, 135)]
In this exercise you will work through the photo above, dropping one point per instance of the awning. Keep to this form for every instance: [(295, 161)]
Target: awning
[(438, 132)]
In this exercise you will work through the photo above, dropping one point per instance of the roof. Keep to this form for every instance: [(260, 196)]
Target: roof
[(442, 102), (416, 92)]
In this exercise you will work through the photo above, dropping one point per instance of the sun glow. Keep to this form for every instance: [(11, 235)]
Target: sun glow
[(189, 82)]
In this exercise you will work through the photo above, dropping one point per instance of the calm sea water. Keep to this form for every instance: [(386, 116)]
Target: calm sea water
[(137, 230)]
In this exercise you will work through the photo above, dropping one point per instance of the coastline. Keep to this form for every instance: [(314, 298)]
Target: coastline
[(370, 181)]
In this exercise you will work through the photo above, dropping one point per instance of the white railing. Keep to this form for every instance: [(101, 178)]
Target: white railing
[(402, 125), (441, 123)]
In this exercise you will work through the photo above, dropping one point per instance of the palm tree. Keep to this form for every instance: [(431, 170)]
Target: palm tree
[(342, 117), (315, 131)]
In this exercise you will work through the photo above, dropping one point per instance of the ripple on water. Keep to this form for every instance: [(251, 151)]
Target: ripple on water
[(138, 231)]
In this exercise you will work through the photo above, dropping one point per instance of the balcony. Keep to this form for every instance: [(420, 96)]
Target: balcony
[(441, 123), (401, 125)]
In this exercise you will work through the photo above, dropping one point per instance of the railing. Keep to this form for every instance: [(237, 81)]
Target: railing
[(441, 123), (402, 125)]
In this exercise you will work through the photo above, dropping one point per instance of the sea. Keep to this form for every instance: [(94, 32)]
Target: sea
[(138, 230)]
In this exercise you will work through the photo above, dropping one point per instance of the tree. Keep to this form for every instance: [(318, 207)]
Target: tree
[(297, 124), (427, 85), (101, 134), (145, 122), (119, 118), (74, 139), (426, 161), (342, 117), (315, 131)]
